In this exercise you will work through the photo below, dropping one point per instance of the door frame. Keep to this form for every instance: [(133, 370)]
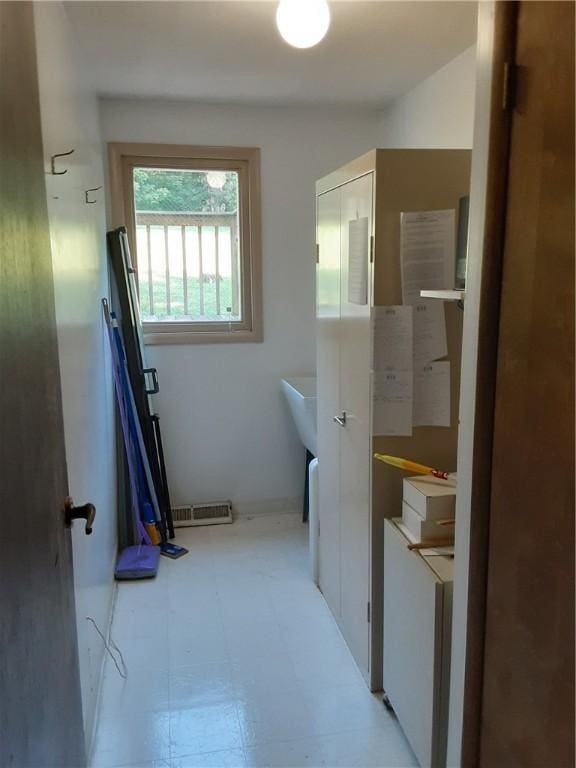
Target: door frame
[(496, 53), (488, 191)]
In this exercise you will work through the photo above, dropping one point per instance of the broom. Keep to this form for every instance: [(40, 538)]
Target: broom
[(412, 466)]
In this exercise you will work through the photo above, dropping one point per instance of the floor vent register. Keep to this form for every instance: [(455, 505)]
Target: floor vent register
[(209, 513)]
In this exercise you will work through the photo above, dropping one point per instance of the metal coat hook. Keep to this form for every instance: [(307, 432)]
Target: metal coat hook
[(94, 189), (53, 162)]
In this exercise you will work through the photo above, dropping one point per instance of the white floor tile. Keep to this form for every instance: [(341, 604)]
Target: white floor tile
[(197, 642), (147, 764), (376, 748), (274, 715), (256, 640), (238, 613), (232, 758), (133, 622), (346, 708), (273, 671), (234, 660), (306, 753), (132, 738), (208, 727), (140, 692), (201, 684), (143, 656), (324, 668)]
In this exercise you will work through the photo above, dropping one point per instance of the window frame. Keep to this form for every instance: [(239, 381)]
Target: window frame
[(123, 158)]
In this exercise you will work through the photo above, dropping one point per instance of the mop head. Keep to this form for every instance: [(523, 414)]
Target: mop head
[(138, 562)]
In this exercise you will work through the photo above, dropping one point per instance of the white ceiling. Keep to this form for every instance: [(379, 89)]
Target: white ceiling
[(230, 50)]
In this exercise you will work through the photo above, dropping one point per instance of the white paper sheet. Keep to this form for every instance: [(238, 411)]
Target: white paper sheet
[(429, 332), (427, 252), (358, 261), (393, 343), (432, 395), (393, 402)]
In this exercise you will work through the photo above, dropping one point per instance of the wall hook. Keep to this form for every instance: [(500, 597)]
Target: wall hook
[(53, 162), (94, 189)]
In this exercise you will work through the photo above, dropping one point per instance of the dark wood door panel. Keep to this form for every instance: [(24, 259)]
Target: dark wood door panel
[(528, 689), (40, 704)]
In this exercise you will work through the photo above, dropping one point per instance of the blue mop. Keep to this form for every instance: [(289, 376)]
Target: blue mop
[(141, 560)]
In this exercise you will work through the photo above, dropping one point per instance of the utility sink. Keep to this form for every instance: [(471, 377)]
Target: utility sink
[(300, 392)]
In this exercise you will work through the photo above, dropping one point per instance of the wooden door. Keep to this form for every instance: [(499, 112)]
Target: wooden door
[(355, 436), (527, 707), (328, 387), (40, 703)]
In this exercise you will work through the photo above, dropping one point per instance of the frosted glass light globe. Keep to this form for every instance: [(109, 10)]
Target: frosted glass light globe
[(303, 23), (216, 179)]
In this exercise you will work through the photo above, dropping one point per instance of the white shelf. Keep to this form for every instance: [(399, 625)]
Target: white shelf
[(446, 295)]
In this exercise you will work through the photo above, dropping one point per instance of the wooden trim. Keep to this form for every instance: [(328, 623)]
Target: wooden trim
[(123, 158), (183, 151), (359, 167), (199, 337), (489, 313), (176, 326)]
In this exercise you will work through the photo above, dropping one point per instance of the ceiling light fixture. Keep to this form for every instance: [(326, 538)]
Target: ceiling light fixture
[(303, 23)]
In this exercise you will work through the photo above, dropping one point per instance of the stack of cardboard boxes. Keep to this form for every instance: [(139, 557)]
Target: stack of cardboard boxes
[(428, 508)]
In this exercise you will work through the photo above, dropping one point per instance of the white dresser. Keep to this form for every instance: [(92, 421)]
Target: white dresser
[(417, 628)]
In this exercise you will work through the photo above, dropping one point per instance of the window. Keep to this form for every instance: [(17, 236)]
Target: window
[(192, 216)]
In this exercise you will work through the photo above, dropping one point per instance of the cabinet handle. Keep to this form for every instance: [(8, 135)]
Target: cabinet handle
[(341, 420)]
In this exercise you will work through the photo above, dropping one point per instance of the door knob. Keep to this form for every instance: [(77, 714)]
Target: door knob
[(85, 512), (341, 420)]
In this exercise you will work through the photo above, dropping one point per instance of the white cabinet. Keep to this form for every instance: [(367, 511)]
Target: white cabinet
[(328, 404), (417, 627), (361, 204), (344, 416)]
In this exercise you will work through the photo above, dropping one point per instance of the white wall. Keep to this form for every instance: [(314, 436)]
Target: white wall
[(438, 113), (226, 430), (70, 121)]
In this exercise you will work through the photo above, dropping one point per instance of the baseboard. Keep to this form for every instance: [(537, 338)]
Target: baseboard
[(242, 509)]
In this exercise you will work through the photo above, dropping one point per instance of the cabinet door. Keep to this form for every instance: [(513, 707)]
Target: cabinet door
[(328, 385), (355, 361), (413, 618)]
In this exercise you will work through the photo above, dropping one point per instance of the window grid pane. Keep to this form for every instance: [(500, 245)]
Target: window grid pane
[(187, 225)]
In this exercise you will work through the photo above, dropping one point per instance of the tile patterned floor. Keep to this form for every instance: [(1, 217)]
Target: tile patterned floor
[(234, 661)]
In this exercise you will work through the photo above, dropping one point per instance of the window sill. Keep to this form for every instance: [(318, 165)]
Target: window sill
[(209, 337)]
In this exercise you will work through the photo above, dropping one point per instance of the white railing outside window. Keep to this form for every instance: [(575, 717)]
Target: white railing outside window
[(188, 266)]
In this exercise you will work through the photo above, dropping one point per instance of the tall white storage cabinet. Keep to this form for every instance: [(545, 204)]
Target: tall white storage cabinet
[(358, 237), (344, 432)]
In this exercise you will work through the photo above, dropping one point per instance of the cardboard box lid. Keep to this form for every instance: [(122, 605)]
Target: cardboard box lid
[(428, 485)]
